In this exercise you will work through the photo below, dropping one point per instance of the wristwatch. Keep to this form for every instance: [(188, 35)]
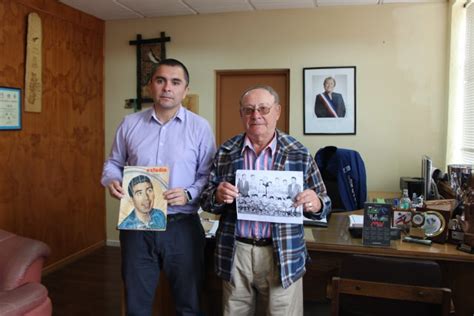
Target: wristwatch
[(188, 195)]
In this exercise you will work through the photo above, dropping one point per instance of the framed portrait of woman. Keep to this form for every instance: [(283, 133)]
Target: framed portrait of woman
[(329, 100)]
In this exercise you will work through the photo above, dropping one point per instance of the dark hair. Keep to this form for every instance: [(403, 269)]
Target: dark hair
[(330, 78), (170, 62), (137, 180)]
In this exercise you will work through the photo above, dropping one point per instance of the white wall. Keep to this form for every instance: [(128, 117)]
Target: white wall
[(400, 52)]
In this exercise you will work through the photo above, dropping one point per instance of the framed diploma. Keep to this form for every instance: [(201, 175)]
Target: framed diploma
[(10, 108)]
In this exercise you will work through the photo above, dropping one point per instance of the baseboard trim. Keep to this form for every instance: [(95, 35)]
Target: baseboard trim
[(113, 243), (76, 256)]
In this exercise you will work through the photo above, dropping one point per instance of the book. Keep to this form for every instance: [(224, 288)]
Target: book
[(376, 228), (143, 206)]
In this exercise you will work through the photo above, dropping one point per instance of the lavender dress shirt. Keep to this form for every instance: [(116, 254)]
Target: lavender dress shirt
[(185, 144)]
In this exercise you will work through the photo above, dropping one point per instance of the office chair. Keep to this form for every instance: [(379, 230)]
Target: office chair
[(370, 286), (343, 173)]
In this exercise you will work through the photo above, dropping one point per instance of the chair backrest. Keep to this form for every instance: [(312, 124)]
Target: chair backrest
[(370, 285), (403, 294), (343, 173)]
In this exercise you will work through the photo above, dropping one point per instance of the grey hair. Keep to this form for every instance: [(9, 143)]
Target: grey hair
[(264, 87)]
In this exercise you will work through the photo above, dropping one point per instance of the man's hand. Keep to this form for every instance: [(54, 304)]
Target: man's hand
[(226, 193), (176, 197), (116, 190), (310, 201)]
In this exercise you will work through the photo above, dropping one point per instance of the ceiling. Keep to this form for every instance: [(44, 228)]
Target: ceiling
[(135, 9)]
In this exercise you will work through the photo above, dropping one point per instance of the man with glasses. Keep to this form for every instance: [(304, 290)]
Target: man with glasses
[(261, 259)]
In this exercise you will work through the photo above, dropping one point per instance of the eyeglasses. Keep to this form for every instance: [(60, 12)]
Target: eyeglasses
[(262, 110)]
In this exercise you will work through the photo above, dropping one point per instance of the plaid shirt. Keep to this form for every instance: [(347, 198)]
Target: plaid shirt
[(288, 239)]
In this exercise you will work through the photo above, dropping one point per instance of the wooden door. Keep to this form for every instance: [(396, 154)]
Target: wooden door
[(230, 86)]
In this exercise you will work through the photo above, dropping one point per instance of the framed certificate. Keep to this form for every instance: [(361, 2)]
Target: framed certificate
[(10, 108)]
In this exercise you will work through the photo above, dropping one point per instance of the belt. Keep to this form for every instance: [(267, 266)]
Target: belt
[(259, 242), (177, 217)]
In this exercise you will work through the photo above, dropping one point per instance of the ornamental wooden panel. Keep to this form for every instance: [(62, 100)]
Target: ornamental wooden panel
[(50, 169)]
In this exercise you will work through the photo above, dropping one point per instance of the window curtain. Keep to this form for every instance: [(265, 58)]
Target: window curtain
[(460, 135)]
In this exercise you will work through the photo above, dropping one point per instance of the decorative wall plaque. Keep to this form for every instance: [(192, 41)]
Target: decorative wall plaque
[(33, 75), (149, 52)]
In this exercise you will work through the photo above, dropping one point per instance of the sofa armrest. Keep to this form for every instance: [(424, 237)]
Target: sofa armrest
[(21, 260), (28, 298)]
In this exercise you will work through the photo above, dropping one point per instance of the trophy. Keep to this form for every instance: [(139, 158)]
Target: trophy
[(467, 219), (459, 176)]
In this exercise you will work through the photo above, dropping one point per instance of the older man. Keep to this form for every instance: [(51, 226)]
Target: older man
[(252, 257)]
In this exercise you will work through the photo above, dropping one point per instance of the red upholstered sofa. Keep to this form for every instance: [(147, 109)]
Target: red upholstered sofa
[(21, 262)]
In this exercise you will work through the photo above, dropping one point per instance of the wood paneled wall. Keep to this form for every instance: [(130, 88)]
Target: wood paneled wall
[(50, 169)]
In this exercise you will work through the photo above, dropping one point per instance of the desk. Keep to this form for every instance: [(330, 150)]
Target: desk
[(457, 266), (327, 248)]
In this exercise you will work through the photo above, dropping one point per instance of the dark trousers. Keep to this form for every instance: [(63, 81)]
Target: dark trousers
[(179, 251)]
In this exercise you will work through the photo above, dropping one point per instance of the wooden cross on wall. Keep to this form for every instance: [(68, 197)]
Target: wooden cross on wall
[(149, 52)]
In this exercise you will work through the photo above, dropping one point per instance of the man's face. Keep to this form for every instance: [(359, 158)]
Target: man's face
[(256, 123), (143, 197), (329, 85), (168, 86)]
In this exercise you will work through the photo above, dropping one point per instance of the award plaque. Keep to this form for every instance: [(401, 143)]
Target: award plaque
[(437, 216), (435, 224), (418, 219), (417, 222)]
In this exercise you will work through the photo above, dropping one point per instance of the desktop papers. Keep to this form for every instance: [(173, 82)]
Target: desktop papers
[(356, 220), (322, 222)]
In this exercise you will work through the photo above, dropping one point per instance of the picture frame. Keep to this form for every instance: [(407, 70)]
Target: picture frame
[(10, 108), (149, 52), (331, 113)]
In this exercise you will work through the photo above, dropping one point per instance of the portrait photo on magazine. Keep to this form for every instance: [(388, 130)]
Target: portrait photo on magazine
[(143, 206)]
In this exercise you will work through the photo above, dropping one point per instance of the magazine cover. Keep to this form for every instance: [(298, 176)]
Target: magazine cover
[(143, 206), (268, 196)]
